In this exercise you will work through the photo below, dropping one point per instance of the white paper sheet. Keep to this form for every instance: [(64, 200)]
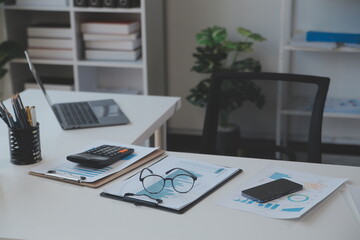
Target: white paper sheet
[(316, 189), (75, 170), (208, 176), (355, 195)]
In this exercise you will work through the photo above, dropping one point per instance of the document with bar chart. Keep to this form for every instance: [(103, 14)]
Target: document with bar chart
[(172, 188), (76, 171), (315, 189)]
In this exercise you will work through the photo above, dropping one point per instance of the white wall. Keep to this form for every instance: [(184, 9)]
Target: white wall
[(185, 18)]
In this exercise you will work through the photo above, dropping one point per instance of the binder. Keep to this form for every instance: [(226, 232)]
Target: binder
[(316, 36), (51, 174), (182, 205)]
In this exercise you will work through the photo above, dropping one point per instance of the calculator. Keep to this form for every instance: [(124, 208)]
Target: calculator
[(101, 156)]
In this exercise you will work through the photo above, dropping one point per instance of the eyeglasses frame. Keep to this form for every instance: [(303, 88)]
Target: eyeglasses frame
[(189, 174)]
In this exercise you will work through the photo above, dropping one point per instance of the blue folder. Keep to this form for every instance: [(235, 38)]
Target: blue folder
[(316, 36)]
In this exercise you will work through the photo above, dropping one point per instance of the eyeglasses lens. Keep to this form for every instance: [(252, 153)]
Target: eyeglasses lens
[(153, 184), (183, 183)]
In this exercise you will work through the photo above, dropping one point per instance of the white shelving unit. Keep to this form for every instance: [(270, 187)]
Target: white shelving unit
[(340, 64), (145, 76)]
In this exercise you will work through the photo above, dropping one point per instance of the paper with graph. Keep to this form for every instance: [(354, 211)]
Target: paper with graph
[(74, 170), (208, 176), (316, 189)]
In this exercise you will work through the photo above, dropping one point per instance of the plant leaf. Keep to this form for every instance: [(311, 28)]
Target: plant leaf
[(211, 36), (256, 37), (249, 34), (243, 31), (244, 47)]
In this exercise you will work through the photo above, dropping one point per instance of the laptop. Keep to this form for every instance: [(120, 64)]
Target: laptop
[(88, 114)]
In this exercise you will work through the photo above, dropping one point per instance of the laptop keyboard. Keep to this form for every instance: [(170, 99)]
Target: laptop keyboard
[(78, 113)]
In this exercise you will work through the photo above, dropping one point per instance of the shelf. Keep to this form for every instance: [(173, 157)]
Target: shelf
[(135, 64), (141, 75), (337, 61), (311, 49), (36, 8), (87, 63), (44, 61), (109, 10), (75, 9), (334, 108), (326, 114)]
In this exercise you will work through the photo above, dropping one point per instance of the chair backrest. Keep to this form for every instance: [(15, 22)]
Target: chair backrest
[(209, 135)]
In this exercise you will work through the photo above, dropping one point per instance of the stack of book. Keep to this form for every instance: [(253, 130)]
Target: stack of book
[(111, 41), (50, 42), (52, 83), (42, 3)]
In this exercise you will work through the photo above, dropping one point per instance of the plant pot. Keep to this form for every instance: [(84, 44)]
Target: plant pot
[(227, 140)]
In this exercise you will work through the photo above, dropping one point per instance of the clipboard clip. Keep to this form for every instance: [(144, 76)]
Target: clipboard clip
[(67, 176), (128, 197)]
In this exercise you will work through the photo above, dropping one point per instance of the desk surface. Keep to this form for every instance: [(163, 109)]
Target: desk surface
[(37, 208), (146, 115)]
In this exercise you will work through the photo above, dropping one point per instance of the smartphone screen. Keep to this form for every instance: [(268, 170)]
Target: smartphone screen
[(272, 190)]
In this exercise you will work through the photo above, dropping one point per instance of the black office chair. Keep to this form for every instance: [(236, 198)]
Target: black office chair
[(209, 135)]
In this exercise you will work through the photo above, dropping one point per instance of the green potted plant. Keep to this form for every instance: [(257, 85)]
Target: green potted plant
[(217, 53)]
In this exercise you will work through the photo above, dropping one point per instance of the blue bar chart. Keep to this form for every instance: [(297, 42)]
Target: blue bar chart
[(271, 206)]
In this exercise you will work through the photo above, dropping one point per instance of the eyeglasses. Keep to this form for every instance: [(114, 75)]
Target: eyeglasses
[(182, 180)]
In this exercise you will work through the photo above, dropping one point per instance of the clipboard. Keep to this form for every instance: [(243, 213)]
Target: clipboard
[(149, 201), (78, 181)]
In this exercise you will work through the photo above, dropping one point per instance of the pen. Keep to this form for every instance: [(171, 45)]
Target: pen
[(8, 116), (18, 122), (33, 116), (3, 117), (22, 111), (28, 115)]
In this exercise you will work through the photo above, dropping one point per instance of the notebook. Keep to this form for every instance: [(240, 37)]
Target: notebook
[(87, 114)]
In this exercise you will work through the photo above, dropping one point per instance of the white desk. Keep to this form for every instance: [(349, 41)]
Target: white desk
[(146, 114), (37, 208)]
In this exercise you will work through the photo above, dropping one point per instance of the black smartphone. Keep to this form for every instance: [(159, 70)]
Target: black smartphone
[(272, 190)]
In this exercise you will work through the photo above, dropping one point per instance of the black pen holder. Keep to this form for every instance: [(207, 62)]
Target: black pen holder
[(25, 145)]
